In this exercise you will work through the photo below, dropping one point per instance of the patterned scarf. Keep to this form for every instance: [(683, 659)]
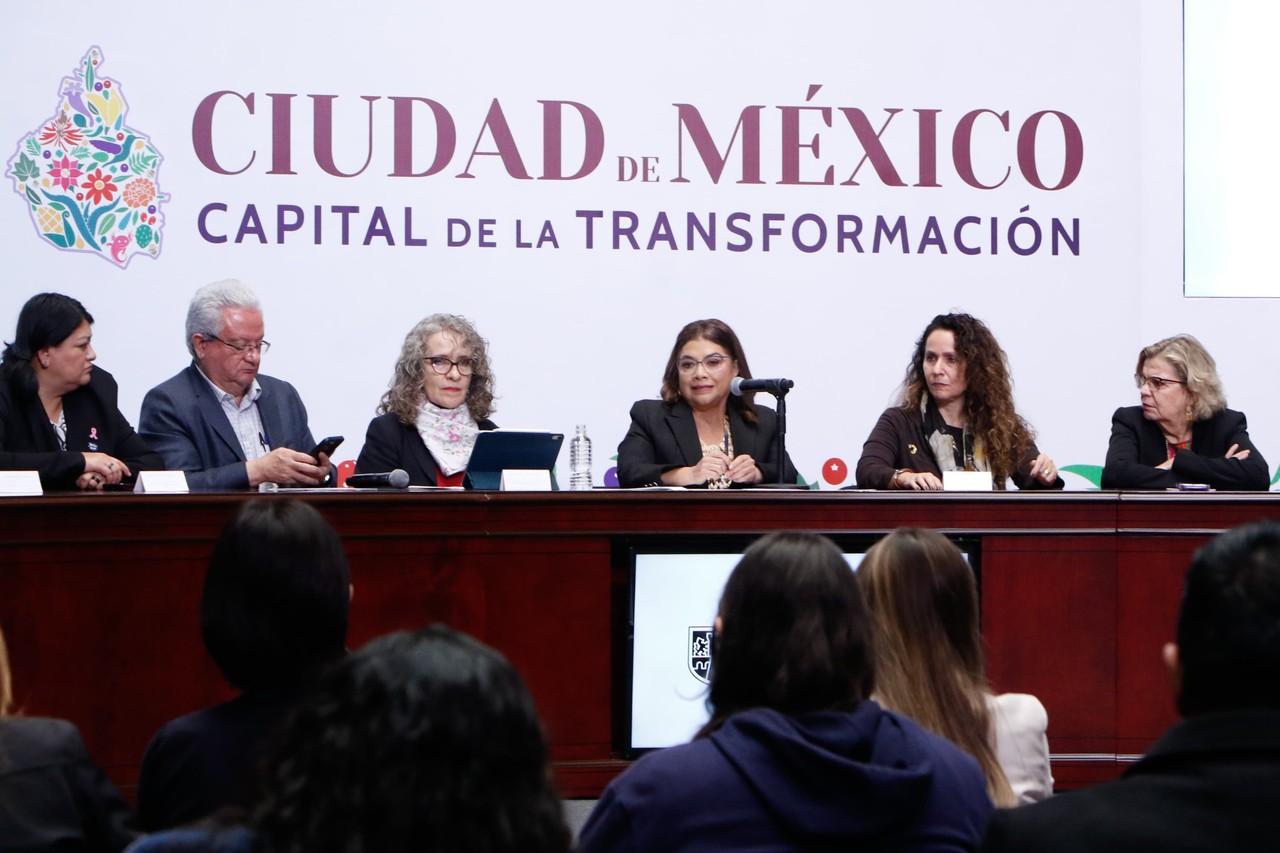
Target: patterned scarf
[(449, 435), (943, 444)]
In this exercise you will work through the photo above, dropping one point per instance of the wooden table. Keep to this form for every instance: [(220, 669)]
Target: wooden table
[(99, 598)]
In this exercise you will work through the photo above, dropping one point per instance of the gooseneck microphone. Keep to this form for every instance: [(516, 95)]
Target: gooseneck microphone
[(397, 479), (776, 387)]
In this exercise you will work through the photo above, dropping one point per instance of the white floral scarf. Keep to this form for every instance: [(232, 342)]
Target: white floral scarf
[(449, 435)]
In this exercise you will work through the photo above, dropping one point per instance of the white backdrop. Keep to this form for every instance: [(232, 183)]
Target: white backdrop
[(578, 333)]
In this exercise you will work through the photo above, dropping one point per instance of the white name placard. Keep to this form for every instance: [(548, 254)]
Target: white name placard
[(161, 483), (526, 480), (966, 481), (16, 484)]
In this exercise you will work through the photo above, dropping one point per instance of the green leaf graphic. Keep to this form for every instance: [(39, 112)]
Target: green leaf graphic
[(108, 222), (31, 194), (33, 146), (1092, 473), (57, 240), (26, 169)]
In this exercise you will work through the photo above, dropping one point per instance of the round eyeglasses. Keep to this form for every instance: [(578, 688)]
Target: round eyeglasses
[(712, 363), (442, 364)]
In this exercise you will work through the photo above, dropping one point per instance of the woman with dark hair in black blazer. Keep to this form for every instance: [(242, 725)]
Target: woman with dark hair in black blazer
[(58, 413), (699, 434)]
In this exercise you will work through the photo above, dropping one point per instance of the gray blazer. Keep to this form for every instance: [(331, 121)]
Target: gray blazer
[(184, 422)]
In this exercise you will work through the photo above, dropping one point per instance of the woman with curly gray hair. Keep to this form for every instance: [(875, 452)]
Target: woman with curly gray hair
[(1183, 432), (440, 397)]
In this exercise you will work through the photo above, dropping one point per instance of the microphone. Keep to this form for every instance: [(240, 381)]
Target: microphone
[(397, 479), (740, 386)]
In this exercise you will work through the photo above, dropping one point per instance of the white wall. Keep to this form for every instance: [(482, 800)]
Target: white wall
[(578, 334)]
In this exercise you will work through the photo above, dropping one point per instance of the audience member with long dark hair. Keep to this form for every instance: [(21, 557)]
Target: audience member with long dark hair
[(924, 605), (796, 755), (52, 796), (273, 614), (426, 742)]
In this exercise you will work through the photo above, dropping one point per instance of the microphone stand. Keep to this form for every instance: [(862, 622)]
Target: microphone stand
[(781, 396)]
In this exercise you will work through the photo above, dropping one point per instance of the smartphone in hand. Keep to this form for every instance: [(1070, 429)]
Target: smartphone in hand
[(326, 446)]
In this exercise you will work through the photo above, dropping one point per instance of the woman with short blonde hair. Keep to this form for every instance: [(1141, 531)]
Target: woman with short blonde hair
[(1183, 431)]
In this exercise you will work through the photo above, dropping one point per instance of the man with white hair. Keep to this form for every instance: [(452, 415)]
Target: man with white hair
[(218, 420)]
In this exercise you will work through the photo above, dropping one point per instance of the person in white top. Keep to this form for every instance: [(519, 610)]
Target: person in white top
[(924, 607)]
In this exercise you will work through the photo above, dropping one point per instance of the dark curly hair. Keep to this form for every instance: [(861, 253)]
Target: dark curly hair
[(719, 333), (988, 399), (423, 741), (795, 636)]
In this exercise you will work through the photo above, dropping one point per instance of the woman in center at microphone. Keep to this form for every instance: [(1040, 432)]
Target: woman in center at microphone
[(955, 414), (699, 434), (440, 398)]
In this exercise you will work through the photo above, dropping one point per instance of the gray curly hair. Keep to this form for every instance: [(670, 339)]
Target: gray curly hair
[(407, 390)]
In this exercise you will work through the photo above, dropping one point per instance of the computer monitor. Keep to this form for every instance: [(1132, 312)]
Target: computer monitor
[(675, 593)]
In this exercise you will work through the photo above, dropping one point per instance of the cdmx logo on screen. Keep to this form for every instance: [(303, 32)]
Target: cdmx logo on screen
[(89, 179), (701, 640)]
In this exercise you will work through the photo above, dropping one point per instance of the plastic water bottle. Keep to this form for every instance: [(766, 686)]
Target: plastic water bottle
[(580, 460)]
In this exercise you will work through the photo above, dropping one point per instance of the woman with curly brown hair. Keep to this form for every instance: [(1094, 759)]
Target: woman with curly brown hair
[(956, 414), (440, 398)]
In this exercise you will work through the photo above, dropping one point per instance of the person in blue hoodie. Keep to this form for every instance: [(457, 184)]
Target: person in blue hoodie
[(796, 756)]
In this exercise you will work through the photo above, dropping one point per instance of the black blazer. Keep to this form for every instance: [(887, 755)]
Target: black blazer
[(208, 759), (1208, 784), (94, 424), (1137, 446), (390, 444), (663, 437), (52, 795)]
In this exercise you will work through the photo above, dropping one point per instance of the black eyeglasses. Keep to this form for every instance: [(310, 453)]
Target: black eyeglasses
[(442, 364), (260, 347), (1156, 382)]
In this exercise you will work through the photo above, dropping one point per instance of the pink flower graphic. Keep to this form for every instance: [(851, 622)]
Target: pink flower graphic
[(99, 187), (64, 172)]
